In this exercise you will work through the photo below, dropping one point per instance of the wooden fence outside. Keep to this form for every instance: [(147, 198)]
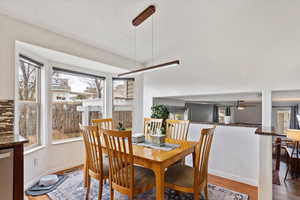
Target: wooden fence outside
[(124, 117), (65, 117)]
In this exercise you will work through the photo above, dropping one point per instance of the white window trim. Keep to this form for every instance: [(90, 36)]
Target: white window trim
[(42, 118), (64, 141)]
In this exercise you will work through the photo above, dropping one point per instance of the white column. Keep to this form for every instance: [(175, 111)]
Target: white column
[(265, 150), (138, 110), (108, 101)]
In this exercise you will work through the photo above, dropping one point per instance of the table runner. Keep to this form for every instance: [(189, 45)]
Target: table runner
[(165, 147)]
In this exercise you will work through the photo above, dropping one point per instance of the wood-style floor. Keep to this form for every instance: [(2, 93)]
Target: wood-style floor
[(289, 190), (226, 183)]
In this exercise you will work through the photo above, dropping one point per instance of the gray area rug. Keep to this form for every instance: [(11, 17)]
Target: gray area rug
[(72, 189)]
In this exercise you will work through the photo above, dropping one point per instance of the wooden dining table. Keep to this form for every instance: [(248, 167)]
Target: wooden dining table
[(160, 160)]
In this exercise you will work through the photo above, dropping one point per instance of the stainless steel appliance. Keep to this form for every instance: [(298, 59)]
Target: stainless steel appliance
[(6, 174)]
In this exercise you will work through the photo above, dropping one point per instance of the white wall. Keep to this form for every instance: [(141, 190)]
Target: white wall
[(50, 157), (241, 47), (12, 30), (234, 152)]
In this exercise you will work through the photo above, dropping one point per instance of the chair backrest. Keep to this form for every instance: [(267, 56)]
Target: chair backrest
[(91, 138), (103, 123), (177, 129), (119, 147), (151, 125), (202, 154)]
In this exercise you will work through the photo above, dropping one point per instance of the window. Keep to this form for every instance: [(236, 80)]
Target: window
[(123, 95), (221, 113), (77, 98), (283, 120), (28, 104)]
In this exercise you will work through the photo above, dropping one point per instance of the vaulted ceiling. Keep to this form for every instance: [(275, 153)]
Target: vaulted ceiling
[(105, 24), (214, 31)]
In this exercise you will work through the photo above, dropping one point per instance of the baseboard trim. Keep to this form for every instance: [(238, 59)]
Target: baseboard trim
[(52, 171), (233, 177)]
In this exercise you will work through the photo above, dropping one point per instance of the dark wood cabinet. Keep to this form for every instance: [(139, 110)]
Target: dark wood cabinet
[(15, 144)]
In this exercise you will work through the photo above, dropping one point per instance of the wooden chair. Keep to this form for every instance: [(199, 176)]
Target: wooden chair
[(151, 125), (97, 165), (193, 180), (103, 123), (124, 176), (177, 129)]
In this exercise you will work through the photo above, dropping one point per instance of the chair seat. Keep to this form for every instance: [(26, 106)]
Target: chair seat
[(144, 179), (180, 175)]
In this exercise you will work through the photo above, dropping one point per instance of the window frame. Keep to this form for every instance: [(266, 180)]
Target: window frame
[(134, 97), (38, 101), (63, 68)]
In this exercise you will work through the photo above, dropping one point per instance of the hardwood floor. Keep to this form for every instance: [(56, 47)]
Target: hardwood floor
[(229, 184), (289, 190), (252, 191)]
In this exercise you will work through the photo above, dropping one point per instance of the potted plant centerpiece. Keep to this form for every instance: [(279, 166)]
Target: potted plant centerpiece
[(227, 117), (159, 111)]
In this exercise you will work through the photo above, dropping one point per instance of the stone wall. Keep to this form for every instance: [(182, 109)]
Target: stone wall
[(6, 116)]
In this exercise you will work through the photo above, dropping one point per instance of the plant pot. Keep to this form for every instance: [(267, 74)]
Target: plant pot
[(227, 119)]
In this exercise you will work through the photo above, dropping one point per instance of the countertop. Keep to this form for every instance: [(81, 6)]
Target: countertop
[(268, 131), (10, 140), (231, 124)]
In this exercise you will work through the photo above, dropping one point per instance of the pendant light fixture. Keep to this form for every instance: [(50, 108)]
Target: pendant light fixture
[(136, 22)]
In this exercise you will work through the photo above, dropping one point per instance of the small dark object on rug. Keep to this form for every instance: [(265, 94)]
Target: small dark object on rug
[(37, 190)]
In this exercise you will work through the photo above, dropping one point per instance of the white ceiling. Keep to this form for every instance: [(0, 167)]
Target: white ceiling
[(220, 33), (105, 24)]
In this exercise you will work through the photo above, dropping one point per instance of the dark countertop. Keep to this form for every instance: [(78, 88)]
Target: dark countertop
[(232, 124), (269, 131), (10, 140)]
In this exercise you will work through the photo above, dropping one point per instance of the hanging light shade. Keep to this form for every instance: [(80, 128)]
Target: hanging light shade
[(145, 14), (151, 68)]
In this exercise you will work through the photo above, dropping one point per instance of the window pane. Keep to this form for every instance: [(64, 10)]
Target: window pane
[(28, 122), (27, 81), (283, 120), (123, 95), (76, 100), (28, 105)]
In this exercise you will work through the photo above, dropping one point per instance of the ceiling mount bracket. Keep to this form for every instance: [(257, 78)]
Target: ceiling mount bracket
[(144, 15)]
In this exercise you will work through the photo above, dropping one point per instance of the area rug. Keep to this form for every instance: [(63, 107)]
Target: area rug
[(72, 189)]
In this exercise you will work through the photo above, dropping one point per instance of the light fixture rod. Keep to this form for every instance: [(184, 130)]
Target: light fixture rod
[(151, 68)]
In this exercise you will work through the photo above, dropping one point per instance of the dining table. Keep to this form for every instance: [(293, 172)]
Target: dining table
[(159, 160)]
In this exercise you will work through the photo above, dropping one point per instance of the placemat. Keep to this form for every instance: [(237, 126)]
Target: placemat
[(165, 147)]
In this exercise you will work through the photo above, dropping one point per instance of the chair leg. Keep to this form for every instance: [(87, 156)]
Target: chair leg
[(206, 192), (88, 184), (100, 189), (196, 195), (130, 197), (111, 192), (287, 171)]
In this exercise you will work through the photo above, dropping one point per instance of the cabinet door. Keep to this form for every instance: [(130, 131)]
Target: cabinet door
[(6, 174)]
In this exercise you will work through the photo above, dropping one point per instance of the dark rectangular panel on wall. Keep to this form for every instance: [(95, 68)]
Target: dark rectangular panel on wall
[(6, 116)]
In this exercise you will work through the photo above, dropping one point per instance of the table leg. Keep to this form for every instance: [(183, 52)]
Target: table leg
[(194, 158), (159, 182)]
